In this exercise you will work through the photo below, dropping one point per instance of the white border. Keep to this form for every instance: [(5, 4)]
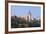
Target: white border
[(22, 29)]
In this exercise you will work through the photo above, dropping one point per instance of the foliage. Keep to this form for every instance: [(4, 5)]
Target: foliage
[(21, 23)]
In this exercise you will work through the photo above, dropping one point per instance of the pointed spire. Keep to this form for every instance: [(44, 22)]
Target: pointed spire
[(29, 12)]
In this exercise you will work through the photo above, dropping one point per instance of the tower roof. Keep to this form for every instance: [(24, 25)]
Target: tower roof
[(29, 12)]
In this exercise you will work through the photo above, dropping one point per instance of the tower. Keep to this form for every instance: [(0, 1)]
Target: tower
[(29, 16)]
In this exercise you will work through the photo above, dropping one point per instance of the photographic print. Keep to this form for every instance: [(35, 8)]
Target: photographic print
[(25, 16)]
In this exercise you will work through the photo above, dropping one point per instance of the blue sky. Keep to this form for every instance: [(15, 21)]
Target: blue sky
[(23, 10)]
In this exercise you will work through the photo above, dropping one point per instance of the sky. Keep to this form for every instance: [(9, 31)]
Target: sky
[(23, 10)]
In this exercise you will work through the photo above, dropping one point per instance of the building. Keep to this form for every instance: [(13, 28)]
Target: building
[(23, 17), (28, 17)]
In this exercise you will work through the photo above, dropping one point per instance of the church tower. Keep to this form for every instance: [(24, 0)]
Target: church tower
[(29, 16)]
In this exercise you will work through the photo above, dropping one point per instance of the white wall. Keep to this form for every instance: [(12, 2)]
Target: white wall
[(2, 18), (2, 23)]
